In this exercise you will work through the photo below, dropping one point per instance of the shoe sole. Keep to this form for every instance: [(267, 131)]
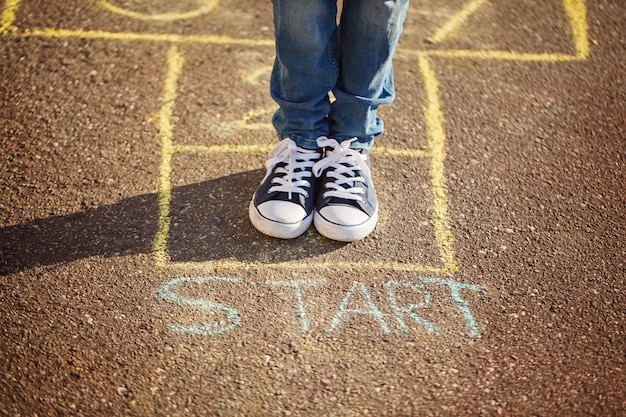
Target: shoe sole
[(345, 233), (276, 229)]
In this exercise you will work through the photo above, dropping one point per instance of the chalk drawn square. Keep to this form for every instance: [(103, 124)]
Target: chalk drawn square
[(210, 225)]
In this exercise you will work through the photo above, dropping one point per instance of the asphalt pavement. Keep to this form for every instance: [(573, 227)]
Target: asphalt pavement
[(133, 134)]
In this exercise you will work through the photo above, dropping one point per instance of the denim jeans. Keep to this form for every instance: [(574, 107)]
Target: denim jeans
[(315, 56)]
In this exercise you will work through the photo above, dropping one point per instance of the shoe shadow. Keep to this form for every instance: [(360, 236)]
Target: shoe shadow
[(209, 222)]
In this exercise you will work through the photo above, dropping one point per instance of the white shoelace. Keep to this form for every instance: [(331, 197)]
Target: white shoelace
[(344, 162), (296, 173)]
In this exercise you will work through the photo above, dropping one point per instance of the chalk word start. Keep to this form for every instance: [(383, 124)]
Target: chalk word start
[(356, 294)]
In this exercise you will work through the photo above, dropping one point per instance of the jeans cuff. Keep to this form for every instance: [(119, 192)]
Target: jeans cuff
[(360, 143)]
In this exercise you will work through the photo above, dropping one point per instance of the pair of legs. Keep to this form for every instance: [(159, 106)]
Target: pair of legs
[(320, 170), (315, 56)]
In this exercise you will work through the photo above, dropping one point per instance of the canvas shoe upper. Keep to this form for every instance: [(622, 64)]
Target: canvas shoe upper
[(283, 204), (347, 208)]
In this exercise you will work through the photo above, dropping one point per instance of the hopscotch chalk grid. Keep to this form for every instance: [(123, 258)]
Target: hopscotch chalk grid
[(434, 154)]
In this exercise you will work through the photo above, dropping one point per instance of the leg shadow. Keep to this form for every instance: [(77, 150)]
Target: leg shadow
[(209, 222), (125, 228)]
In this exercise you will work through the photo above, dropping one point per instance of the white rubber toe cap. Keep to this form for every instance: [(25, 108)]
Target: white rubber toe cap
[(344, 216), (280, 219), (281, 211), (356, 224)]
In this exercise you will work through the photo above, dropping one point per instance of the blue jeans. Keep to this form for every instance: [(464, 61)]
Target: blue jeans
[(315, 56)]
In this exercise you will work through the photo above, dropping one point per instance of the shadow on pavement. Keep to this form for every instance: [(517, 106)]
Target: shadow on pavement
[(209, 221)]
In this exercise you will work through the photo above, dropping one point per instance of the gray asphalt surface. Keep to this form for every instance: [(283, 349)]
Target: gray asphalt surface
[(133, 134)]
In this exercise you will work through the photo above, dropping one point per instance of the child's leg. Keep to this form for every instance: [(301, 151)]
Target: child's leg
[(305, 69), (347, 207), (369, 33), (304, 72)]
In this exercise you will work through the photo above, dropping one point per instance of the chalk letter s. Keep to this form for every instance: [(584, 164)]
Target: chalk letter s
[(232, 320)]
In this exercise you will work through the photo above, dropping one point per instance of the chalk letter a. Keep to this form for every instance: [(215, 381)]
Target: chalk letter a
[(372, 310)]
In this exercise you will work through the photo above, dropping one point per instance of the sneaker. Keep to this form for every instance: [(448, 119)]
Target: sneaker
[(283, 204), (347, 208)]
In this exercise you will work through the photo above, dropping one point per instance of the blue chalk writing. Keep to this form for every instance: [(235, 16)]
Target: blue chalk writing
[(405, 300), (232, 320), (472, 327), (372, 309), (409, 310), (300, 310)]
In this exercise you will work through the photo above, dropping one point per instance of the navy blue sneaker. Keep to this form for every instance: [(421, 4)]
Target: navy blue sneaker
[(347, 208), (284, 203)]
